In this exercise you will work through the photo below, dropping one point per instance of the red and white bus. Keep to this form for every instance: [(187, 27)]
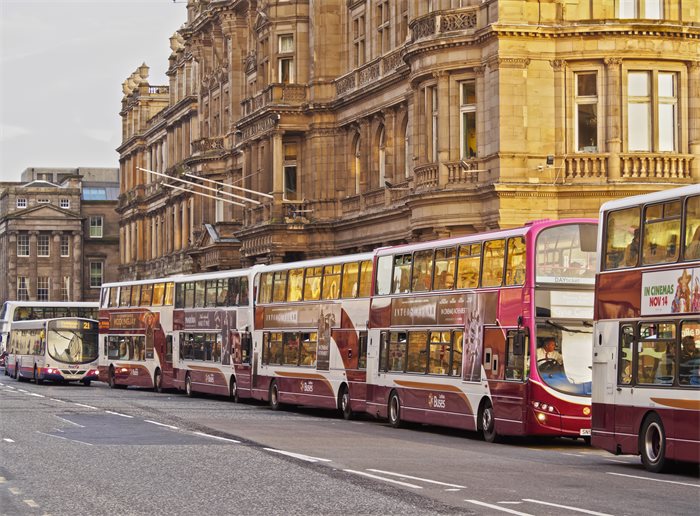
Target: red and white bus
[(213, 324), (58, 350), (646, 364), (136, 324), (310, 333), (460, 329)]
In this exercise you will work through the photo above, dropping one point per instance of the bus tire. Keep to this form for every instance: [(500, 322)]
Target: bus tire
[(652, 444), (158, 381), (188, 386), (86, 383), (36, 378), (394, 410), (487, 423), (111, 380), (274, 396), (233, 391), (18, 376), (344, 403)]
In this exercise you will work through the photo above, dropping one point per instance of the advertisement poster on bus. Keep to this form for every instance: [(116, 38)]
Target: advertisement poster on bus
[(671, 292)]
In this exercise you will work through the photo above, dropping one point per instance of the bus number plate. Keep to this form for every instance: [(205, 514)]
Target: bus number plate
[(585, 432)]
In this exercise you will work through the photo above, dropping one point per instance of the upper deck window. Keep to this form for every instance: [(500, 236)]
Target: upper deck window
[(662, 229), (692, 228)]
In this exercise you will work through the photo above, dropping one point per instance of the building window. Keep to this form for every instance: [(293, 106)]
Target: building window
[(42, 288), (96, 227), (42, 246), (358, 40), (383, 27), (65, 245), (646, 9), (65, 289), (290, 171), (64, 203), (403, 27), (95, 194), (467, 110), (21, 202), (286, 62), (22, 244), (652, 111), (43, 200), (219, 211), (586, 124), (22, 288), (95, 274)]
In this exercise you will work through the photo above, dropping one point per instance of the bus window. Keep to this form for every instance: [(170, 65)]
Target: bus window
[(279, 288), (689, 363), (492, 272), (656, 354), (402, 273), (362, 351), (440, 351), (199, 294), (515, 355), (622, 238), (275, 355), (397, 351), (104, 297), (624, 373), (422, 271), (308, 349), (692, 228), (114, 296), (351, 277), (146, 294), (312, 283), (662, 230), (515, 268), (222, 291), (291, 348), (383, 351), (417, 357), (135, 295), (243, 292), (125, 295), (295, 285), (383, 285), (457, 340), (189, 294), (210, 296), (331, 281), (365, 278), (468, 265), (168, 348), (445, 268)]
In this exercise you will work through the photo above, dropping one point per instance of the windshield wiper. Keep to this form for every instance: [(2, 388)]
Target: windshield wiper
[(564, 328)]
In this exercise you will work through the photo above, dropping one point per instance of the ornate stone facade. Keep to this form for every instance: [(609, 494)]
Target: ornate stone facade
[(373, 122)]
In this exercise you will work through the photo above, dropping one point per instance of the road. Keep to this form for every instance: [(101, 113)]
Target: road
[(89, 450)]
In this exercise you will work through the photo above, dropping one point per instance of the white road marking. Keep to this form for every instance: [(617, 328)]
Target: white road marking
[(54, 399), (31, 503), (3, 480), (85, 406), (654, 479), (216, 437), (498, 508), (36, 395), (160, 424), (377, 477), (21, 390), (65, 438), (119, 414), (451, 489), (618, 461), (300, 456), (416, 478), (511, 503), (14, 491), (67, 421), (8, 440), (568, 507), (573, 455)]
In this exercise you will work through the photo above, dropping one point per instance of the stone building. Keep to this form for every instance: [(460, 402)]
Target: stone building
[(373, 122), (59, 234)]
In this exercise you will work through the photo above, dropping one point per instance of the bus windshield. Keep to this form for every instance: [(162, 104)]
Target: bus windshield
[(75, 344), (564, 359), (567, 254)]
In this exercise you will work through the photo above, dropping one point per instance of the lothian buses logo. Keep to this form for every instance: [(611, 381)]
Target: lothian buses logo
[(437, 401)]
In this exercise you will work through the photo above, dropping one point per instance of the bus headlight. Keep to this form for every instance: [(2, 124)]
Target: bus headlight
[(544, 407)]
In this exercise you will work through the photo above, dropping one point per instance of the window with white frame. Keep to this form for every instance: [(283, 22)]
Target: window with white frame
[(22, 288), (42, 288), (290, 171), (358, 40), (586, 100), (467, 112), (22, 244), (43, 245), (96, 271), (383, 18), (96, 227), (641, 9), (652, 111), (65, 289), (64, 203), (285, 58), (65, 245), (21, 202)]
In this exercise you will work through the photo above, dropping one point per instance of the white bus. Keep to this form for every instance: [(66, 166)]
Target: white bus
[(57, 350)]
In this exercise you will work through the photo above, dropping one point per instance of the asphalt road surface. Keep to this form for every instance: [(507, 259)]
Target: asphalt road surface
[(91, 450)]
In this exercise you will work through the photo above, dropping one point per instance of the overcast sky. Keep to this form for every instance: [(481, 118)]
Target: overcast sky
[(62, 64)]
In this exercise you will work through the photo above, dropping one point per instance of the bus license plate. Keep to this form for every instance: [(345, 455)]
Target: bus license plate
[(585, 432)]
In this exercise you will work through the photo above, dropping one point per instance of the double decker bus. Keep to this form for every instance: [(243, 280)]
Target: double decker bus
[(30, 310), (136, 324), (646, 364), (310, 333), (213, 324), (489, 332), (58, 350)]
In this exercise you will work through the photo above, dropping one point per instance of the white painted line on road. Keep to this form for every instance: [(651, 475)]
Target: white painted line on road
[(119, 414), (31, 503), (498, 508), (452, 489), (160, 424), (54, 399), (65, 438), (85, 406), (300, 456), (573, 455), (618, 461), (36, 395), (3, 480), (511, 502), (377, 477), (21, 390), (8, 440), (416, 478), (14, 491), (217, 437), (67, 421), (654, 479), (567, 507)]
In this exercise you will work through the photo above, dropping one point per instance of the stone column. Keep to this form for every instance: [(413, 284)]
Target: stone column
[(481, 112), (12, 265), (277, 175), (77, 279), (694, 118), (560, 136), (390, 157), (613, 130), (56, 276), (33, 274), (140, 239), (185, 224), (443, 136)]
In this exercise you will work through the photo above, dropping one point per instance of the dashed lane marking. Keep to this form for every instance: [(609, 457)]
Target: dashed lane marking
[(31, 503), (300, 456), (85, 406), (377, 477), (654, 479), (567, 507), (216, 437), (160, 424), (400, 475), (119, 414), (8, 440), (498, 508)]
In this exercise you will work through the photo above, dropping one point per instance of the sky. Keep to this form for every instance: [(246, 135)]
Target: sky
[(62, 64)]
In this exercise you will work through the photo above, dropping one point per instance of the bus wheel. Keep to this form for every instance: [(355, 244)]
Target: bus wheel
[(18, 376), (86, 383), (488, 424), (188, 386), (344, 403), (37, 380), (158, 382), (233, 391), (274, 396), (395, 410), (653, 444), (112, 382)]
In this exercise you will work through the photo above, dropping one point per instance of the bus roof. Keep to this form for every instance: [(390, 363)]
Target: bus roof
[(169, 279), (318, 262), (231, 273), (35, 323), (661, 195)]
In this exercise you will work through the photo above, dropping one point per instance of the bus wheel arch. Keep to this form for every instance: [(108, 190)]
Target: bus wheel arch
[(344, 405), (233, 389), (486, 422), (274, 396), (652, 443), (394, 410), (158, 380)]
